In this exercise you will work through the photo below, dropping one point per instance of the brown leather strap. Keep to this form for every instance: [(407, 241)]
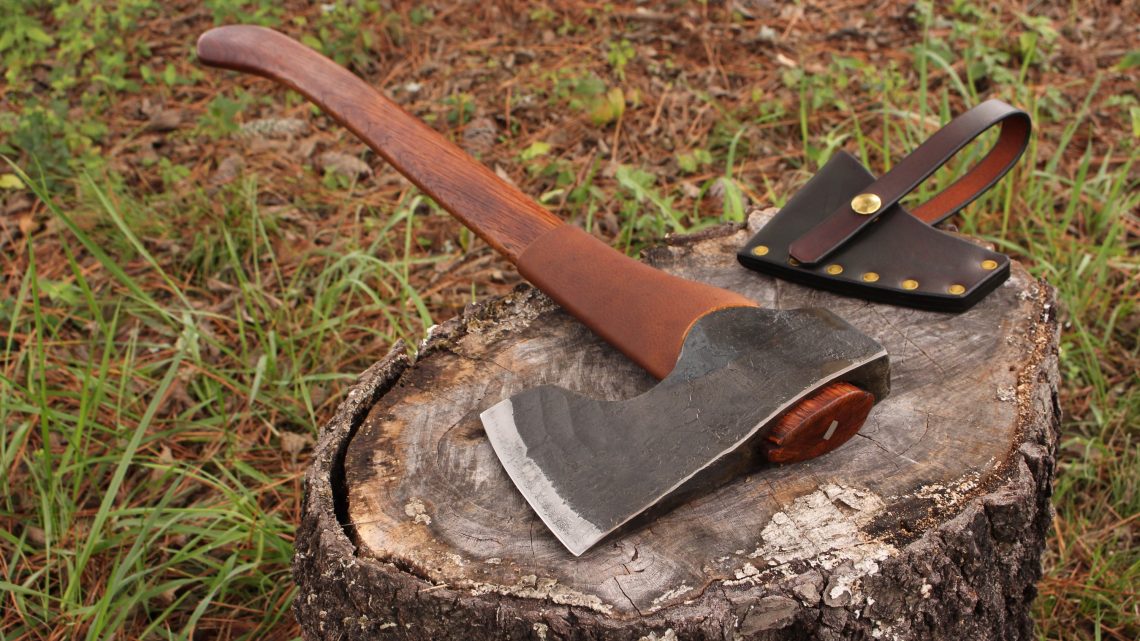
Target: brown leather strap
[(840, 226)]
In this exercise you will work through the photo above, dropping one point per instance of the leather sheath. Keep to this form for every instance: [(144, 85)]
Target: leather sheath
[(894, 255)]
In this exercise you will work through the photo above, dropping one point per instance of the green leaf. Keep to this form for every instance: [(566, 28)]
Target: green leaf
[(608, 109), (7, 38), (312, 42), (11, 181), (589, 86), (36, 34), (60, 291), (170, 75), (1135, 111), (1129, 60), (536, 149)]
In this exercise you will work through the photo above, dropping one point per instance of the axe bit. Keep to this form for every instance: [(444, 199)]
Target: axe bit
[(739, 384)]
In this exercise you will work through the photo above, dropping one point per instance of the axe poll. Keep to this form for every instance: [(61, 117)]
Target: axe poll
[(739, 384)]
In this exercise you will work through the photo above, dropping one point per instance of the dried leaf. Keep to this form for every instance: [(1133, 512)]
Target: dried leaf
[(228, 169), (275, 128)]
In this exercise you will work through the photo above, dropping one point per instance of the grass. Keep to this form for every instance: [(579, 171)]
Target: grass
[(169, 341), (150, 507)]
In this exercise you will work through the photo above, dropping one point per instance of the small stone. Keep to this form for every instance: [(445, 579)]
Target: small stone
[(767, 34), (343, 164), (294, 443), (35, 536), (479, 136), (165, 120)]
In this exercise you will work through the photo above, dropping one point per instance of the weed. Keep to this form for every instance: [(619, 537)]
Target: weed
[(460, 108), (619, 54)]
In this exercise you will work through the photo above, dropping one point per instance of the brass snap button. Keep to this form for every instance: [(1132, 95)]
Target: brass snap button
[(866, 204), (835, 269), (956, 290), (760, 250), (910, 283), (870, 277)]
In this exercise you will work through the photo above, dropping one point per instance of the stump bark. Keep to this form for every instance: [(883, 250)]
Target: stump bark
[(929, 524)]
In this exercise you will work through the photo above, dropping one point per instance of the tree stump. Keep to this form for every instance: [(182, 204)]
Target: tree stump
[(929, 524)]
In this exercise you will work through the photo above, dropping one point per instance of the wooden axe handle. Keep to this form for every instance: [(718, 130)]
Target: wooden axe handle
[(495, 210), (641, 311)]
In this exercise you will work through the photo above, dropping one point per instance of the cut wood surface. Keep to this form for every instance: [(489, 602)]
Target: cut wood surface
[(928, 524)]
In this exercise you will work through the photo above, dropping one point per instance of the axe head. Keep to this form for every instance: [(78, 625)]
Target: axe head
[(587, 466)]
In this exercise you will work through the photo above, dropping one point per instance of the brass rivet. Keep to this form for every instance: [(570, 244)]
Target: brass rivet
[(793, 262), (989, 264), (910, 283), (870, 277), (760, 250), (866, 204), (956, 289), (834, 269)]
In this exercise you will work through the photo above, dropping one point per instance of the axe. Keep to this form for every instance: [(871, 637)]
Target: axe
[(738, 384)]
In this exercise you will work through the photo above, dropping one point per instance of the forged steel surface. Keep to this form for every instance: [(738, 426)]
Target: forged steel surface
[(588, 466)]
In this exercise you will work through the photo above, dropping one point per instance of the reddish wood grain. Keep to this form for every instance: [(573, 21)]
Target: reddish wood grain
[(818, 424), (495, 210)]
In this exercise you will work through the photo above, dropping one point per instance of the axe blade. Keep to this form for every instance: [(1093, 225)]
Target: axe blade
[(587, 467)]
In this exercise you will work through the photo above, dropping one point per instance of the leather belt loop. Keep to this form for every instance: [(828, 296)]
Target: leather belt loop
[(845, 222)]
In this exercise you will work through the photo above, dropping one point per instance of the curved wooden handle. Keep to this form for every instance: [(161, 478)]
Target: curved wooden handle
[(495, 210), (641, 311)]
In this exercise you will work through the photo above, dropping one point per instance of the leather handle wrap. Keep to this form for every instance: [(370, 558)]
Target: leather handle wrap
[(844, 223), (495, 210)]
